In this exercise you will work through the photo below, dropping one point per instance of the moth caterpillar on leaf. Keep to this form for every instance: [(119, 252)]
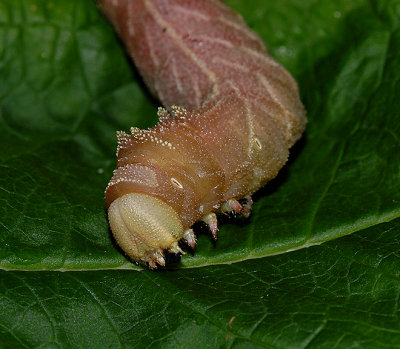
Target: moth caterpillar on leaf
[(232, 113)]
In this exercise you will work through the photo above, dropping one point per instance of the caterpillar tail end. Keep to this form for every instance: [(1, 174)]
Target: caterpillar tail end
[(144, 227)]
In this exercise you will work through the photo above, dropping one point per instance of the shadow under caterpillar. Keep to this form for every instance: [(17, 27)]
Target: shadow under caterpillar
[(232, 113)]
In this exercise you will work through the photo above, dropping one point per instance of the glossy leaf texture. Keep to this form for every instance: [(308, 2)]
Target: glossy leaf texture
[(66, 86)]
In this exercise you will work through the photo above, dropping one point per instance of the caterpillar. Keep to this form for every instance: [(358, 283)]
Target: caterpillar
[(231, 114)]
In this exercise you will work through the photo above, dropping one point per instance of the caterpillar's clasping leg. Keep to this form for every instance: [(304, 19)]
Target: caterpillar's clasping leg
[(156, 257), (190, 238), (231, 205), (247, 206), (211, 220)]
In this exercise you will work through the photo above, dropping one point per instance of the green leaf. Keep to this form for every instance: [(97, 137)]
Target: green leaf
[(66, 86)]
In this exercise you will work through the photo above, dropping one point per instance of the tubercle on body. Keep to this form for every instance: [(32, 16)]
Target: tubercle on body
[(239, 115)]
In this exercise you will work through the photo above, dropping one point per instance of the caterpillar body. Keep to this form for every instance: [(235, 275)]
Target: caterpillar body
[(232, 113)]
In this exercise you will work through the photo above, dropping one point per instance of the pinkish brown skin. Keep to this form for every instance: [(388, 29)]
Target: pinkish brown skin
[(239, 113)]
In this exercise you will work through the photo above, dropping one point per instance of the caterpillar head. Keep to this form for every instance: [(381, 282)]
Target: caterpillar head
[(144, 226)]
